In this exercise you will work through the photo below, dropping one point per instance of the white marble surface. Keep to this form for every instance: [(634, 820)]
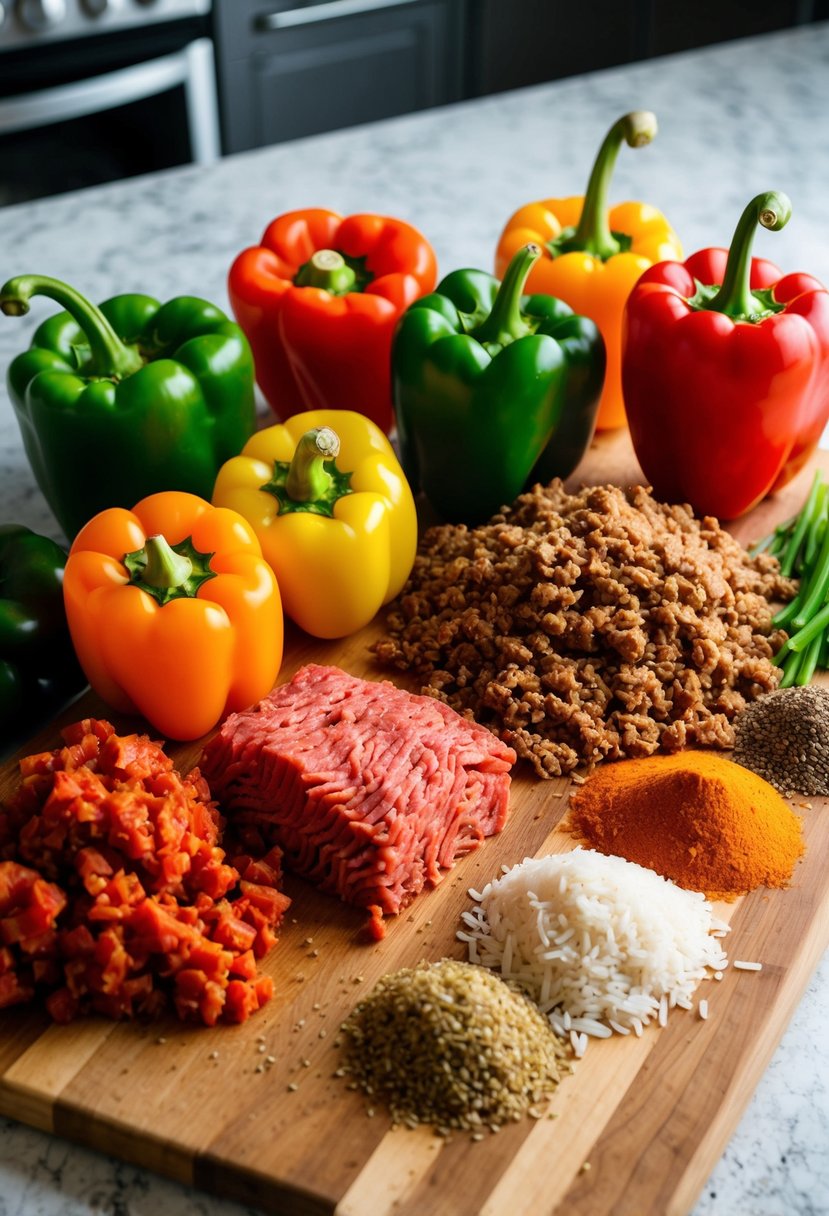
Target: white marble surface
[(734, 120)]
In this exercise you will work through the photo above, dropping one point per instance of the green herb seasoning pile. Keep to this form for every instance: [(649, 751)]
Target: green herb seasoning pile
[(784, 738), (452, 1045)]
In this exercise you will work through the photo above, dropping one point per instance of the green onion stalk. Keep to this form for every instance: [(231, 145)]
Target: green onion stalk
[(801, 545)]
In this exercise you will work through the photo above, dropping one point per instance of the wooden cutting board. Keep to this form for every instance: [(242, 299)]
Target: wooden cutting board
[(639, 1124)]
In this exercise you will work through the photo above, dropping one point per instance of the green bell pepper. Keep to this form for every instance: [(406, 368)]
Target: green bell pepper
[(493, 390), (118, 402), (38, 668)]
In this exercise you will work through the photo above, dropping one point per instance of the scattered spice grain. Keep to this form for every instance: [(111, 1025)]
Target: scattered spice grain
[(696, 818), (590, 626), (784, 738), (452, 1045)]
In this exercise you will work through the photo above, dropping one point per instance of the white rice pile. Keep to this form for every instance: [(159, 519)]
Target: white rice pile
[(601, 944)]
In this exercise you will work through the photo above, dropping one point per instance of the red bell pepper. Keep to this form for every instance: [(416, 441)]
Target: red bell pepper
[(319, 300), (725, 371)]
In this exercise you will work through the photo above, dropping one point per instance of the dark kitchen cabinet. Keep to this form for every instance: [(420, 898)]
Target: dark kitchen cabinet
[(681, 27), (289, 69), (512, 43)]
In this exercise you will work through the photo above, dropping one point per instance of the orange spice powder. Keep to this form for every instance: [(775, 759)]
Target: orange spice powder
[(695, 817)]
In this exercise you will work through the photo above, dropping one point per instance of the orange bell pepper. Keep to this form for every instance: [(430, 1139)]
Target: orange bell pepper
[(173, 612), (593, 254)]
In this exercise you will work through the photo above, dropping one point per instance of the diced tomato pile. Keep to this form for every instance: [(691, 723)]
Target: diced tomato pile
[(116, 895)]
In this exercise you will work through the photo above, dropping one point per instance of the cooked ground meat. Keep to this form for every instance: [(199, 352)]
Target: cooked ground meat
[(590, 626)]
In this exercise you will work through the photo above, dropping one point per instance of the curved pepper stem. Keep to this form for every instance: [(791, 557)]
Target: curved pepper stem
[(329, 270), (311, 482), (735, 298), (308, 479), (111, 358), (505, 322), (593, 233)]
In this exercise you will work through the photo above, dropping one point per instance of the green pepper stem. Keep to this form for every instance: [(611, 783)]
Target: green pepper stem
[(164, 568), (772, 210), (308, 479), (110, 356), (505, 323), (593, 233), (329, 270)]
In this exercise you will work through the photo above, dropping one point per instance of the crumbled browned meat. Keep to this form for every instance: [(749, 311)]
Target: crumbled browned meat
[(586, 626)]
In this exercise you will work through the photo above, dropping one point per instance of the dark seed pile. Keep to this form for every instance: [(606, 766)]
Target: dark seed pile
[(784, 738), (453, 1045)]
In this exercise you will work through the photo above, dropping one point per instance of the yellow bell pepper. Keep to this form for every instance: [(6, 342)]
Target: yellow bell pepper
[(593, 254), (333, 512)]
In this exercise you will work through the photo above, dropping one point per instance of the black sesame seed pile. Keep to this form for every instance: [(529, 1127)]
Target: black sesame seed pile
[(453, 1045), (784, 738)]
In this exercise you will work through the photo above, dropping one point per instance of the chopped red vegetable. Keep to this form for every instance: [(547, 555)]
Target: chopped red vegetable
[(115, 892)]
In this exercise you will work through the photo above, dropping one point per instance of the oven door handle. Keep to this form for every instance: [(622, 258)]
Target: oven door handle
[(191, 67), (323, 12)]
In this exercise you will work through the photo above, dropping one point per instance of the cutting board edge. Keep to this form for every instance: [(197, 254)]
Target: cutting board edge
[(115, 1138), (37, 1110), (691, 1183), (213, 1175)]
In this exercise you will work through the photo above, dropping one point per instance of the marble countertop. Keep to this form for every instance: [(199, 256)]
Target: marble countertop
[(734, 120)]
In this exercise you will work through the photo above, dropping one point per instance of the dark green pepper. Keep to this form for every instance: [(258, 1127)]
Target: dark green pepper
[(118, 402), (38, 668), (493, 390)]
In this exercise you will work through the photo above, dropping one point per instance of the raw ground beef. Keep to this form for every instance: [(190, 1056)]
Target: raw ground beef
[(369, 791), (590, 626)]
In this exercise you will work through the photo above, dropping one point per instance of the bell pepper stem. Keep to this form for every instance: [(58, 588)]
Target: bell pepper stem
[(593, 233), (308, 479), (735, 299), (505, 323), (329, 270), (168, 572), (164, 567), (111, 358)]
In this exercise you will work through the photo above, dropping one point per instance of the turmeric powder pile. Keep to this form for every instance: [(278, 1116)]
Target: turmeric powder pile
[(694, 817)]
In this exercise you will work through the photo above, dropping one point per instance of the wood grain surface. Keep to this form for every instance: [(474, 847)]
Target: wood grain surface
[(637, 1127)]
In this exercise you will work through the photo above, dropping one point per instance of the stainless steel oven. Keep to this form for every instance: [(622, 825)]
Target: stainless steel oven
[(96, 90)]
